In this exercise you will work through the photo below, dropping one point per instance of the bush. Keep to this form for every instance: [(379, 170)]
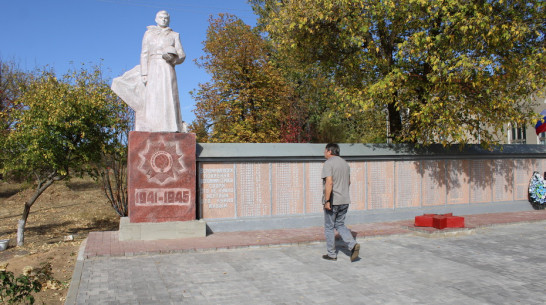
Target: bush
[(14, 290)]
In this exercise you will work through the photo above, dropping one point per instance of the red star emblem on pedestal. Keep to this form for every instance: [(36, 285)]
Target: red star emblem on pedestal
[(161, 161)]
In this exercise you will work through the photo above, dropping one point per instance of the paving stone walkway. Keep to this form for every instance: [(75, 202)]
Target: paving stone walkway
[(108, 243), (500, 264)]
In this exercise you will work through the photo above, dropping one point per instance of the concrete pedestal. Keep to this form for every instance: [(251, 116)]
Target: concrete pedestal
[(161, 187), (161, 177), (161, 230)]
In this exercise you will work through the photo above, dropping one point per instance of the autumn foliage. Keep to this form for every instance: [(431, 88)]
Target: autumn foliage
[(60, 127), (417, 71), (246, 99), (442, 71)]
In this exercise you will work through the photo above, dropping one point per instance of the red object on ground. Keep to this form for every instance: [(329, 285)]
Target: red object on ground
[(455, 222), (424, 221), (439, 221), (161, 176)]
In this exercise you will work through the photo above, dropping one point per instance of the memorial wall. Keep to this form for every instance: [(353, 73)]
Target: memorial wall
[(245, 185)]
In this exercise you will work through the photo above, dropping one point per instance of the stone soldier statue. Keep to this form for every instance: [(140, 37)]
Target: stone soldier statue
[(151, 88)]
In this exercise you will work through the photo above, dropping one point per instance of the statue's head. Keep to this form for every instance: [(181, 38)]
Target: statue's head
[(162, 19)]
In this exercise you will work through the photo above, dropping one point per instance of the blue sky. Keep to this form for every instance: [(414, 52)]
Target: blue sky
[(66, 33)]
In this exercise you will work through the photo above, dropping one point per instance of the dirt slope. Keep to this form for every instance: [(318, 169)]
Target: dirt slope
[(66, 210)]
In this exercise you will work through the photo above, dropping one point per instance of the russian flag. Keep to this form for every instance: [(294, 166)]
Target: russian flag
[(541, 124)]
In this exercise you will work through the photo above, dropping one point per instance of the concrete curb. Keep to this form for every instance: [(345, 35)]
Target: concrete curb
[(424, 232), (73, 289)]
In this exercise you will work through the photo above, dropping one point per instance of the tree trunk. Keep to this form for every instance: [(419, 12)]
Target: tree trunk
[(42, 186), (395, 121), (21, 225)]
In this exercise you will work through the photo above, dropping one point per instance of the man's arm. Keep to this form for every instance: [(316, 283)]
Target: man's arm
[(328, 186)]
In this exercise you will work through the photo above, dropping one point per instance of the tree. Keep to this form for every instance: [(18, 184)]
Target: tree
[(112, 170), (61, 128), (11, 80), (246, 100), (442, 70), (319, 115)]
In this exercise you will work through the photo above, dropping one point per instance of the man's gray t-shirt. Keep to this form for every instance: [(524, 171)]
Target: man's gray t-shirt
[(339, 170)]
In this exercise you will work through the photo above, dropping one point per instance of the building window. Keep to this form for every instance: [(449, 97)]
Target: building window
[(518, 135)]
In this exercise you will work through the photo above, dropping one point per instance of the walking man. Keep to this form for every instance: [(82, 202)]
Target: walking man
[(336, 180)]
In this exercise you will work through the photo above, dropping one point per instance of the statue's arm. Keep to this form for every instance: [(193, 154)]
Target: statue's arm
[(144, 56), (179, 50)]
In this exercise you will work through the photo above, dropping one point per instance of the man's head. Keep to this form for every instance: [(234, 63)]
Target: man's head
[(331, 149), (162, 19)]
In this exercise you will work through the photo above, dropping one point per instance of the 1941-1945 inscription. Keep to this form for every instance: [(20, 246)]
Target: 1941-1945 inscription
[(162, 196)]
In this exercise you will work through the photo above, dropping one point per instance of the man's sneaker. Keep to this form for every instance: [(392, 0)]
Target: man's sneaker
[(328, 258), (354, 252)]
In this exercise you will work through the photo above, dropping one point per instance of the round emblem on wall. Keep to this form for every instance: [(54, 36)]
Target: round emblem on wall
[(161, 161)]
